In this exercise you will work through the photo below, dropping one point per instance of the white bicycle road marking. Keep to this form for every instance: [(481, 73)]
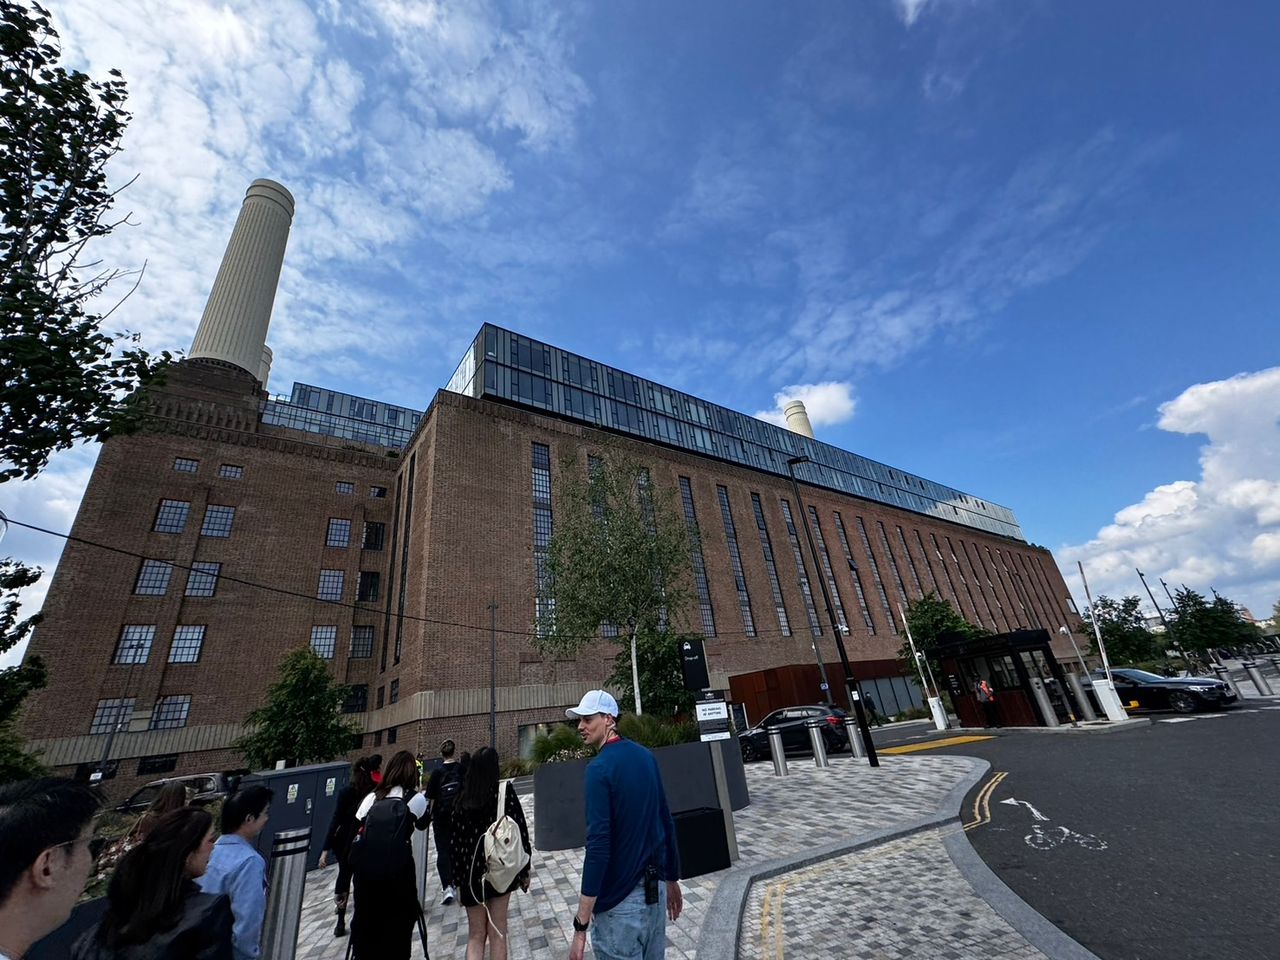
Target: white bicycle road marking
[(1046, 838), (1203, 716)]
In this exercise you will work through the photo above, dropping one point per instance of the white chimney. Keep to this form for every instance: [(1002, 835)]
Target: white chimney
[(233, 328), (798, 418)]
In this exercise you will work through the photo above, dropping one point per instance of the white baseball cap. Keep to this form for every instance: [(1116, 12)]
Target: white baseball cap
[(593, 702)]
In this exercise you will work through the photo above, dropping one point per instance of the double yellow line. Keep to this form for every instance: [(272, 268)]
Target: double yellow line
[(772, 938), (982, 802)]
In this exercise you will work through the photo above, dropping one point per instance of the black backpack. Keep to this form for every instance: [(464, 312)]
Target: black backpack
[(382, 846), (450, 784)]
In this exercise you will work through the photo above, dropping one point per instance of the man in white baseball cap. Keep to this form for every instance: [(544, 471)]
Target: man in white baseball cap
[(631, 844)]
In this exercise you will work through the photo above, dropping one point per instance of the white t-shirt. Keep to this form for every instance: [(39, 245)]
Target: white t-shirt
[(417, 806)]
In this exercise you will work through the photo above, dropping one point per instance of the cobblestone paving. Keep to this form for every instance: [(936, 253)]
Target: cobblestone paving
[(902, 900), (810, 807)]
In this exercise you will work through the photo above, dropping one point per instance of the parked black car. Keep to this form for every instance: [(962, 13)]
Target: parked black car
[(1183, 694), (202, 789), (795, 736)]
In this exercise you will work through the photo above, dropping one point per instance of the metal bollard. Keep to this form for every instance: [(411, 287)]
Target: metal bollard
[(284, 896), (1082, 700), (1042, 701), (779, 754), (1275, 664), (1225, 676), (1251, 668), (819, 745), (857, 749)]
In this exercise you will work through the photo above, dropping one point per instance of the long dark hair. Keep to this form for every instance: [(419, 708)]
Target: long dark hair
[(480, 781), (402, 772), (172, 796), (146, 892), (361, 780)]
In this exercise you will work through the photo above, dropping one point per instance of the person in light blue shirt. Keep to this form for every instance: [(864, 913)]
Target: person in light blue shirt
[(238, 870)]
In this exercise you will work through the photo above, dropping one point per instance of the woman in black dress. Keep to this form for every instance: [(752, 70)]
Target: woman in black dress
[(476, 810), (155, 911), (342, 830)]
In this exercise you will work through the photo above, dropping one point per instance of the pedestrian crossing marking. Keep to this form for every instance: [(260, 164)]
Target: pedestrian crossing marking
[(1206, 716)]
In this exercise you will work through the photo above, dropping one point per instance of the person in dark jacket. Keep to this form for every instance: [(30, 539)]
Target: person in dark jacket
[(342, 830), (474, 813), (386, 888), (154, 909)]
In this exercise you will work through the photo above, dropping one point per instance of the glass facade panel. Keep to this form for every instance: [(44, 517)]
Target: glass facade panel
[(334, 414), (504, 365)]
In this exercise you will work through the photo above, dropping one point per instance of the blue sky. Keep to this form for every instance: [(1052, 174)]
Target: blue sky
[(1028, 248)]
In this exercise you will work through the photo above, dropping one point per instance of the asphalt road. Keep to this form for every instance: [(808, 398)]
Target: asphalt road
[(1158, 843)]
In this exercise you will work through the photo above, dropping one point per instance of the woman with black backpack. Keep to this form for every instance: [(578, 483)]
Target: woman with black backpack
[(381, 859), (476, 811), (342, 831)]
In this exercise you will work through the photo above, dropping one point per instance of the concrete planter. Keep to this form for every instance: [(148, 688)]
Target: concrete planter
[(560, 808)]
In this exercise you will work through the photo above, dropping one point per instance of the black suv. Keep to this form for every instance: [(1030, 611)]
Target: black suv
[(795, 735)]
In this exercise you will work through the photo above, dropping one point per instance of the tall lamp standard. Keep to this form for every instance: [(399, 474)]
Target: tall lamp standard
[(852, 689)]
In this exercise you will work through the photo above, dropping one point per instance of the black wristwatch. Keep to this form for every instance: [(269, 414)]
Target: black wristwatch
[(579, 926)]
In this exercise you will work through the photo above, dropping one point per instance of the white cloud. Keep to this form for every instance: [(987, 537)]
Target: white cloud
[(909, 11), (1221, 531), (826, 403)]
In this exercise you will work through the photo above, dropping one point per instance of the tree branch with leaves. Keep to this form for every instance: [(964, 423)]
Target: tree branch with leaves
[(618, 561)]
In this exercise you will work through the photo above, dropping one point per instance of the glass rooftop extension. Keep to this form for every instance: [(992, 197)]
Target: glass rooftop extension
[(502, 365), (317, 410)]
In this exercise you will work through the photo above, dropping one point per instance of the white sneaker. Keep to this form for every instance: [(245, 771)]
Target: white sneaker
[(447, 897)]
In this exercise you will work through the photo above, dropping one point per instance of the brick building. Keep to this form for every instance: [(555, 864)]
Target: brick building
[(244, 527)]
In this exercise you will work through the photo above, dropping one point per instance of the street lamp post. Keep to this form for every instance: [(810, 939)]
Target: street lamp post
[(852, 689)]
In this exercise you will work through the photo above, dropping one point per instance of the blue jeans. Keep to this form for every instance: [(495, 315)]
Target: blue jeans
[(633, 930)]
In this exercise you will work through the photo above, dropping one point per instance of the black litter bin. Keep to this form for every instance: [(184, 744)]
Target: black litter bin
[(701, 840)]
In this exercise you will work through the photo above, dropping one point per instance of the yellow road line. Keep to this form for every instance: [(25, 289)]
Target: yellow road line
[(779, 938), (933, 744), (982, 802), (765, 917)]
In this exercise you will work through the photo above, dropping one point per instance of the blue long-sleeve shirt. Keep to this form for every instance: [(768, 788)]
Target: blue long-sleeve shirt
[(239, 871), (629, 824)]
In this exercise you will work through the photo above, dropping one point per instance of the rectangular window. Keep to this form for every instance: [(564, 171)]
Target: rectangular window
[(230, 471), (911, 562), (339, 534), (357, 698), (699, 564), (375, 535), (391, 735), (766, 546), (857, 577), (171, 712), (361, 642), (370, 581), (394, 696), (185, 465), (153, 578), (377, 738), (331, 583), (378, 493), (544, 608), (875, 575), (202, 579), (134, 645), (893, 564), (187, 643), (171, 517), (928, 565), (324, 640), (382, 697), (344, 487), (217, 521), (821, 542), (112, 714), (735, 562), (166, 763), (806, 591)]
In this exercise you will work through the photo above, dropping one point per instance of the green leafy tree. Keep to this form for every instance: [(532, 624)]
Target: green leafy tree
[(661, 678), (618, 560), (1124, 630), (1200, 625), (930, 618), (64, 379), (16, 682), (299, 722)]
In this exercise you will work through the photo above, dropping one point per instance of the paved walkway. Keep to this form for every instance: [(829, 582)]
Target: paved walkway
[(786, 839)]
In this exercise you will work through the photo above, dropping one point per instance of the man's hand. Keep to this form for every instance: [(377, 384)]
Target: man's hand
[(675, 900), (578, 946), (324, 859)]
